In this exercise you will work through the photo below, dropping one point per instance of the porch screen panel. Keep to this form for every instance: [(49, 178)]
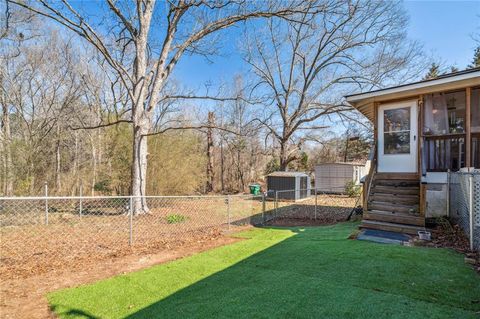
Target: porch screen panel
[(444, 130), (396, 131), (436, 115), (475, 127)]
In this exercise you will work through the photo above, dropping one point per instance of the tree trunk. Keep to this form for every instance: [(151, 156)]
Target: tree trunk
[(75, 166), (57, 163), (283, 157), (222, 166), (209, 186), (139, 168), (345, 156), (94, 165), (8, 175), (240, 171)]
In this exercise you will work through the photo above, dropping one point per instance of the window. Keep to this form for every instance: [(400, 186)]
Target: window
[(396, 131)]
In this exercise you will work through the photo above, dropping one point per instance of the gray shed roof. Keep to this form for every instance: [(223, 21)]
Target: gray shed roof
[(287, 174)]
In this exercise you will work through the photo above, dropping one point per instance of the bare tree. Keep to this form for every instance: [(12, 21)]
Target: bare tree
[(142, 43), (303, 67), (210, 177)]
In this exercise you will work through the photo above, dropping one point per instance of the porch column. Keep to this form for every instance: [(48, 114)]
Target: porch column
[(468, 133)]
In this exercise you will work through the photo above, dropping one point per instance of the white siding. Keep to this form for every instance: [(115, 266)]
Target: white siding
[(333, 177)]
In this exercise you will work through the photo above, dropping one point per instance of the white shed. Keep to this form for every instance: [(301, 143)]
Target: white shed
[(332, 177), (289, 185)]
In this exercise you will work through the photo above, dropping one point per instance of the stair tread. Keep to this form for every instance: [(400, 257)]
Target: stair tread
[(396, 182), (402, 176), (391, 207), (395, 187), (406, 196), (378, 202), (383, 212), (395, 199), (400, 218), (395, 190), (374, 222)]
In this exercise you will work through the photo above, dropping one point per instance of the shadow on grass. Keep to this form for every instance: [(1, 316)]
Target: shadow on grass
[(317, 273), (73, 313)]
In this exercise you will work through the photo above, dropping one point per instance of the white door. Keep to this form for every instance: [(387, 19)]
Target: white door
[(397, 137)]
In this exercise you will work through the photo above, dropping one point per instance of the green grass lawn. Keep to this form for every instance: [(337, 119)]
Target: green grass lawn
[(309, 272)]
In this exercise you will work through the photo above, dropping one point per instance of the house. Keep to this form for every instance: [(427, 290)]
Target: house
[(422, 130)]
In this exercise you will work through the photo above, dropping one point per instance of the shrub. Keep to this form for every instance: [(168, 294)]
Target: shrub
[(351, 189), (176, 218)]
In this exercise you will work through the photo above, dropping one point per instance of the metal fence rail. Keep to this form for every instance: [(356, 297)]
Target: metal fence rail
[(53, 231), (464, 204)]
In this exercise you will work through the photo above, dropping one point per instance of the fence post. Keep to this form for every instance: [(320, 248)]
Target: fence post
[(448, 193), (470, 209), (263, 208), (130, 221), (46, 203), (228, 211), (316, 198), (81, 200), (276, 205)]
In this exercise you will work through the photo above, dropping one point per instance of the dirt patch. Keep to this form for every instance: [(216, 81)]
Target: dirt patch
[(24, 297), (30, 246)]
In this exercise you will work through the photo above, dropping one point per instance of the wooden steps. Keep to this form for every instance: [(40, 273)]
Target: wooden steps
[(393, 207), (393, 204), (396, 183), (406, 199), (395, 190), (402, 176), (389, 217)]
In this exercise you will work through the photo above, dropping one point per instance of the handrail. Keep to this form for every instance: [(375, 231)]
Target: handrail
[(423, 157), (369, 178), (445, 136)]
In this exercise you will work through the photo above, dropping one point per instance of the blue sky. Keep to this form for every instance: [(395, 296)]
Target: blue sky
[(443, 27)]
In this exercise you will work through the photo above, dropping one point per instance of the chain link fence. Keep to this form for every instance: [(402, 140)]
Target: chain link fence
[(317, 206), (464, 204), (44, 233)]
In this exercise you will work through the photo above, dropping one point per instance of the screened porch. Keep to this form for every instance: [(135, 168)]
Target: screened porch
[(451, 130)]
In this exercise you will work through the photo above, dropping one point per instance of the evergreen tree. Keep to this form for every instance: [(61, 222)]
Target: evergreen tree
[(453, 69), (476, 59), (433, 72)]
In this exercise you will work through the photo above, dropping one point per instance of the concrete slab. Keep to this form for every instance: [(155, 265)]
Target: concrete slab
[(383, 237)]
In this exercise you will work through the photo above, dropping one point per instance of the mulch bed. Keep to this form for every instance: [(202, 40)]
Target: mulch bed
[(447, 235)]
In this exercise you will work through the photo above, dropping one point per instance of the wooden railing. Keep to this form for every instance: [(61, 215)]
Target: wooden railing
[(367, 182), (443, 152)]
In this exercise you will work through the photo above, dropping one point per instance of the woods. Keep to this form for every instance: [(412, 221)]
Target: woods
[(94, 104)]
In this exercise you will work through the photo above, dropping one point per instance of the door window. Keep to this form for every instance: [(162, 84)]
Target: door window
[(396, 131)]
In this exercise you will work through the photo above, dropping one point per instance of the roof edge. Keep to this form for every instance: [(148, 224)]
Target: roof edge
[(446, 78)]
